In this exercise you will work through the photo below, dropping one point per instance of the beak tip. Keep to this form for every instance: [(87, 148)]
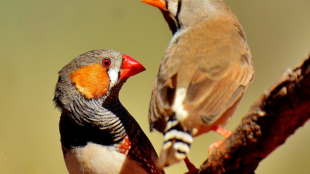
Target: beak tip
[(157, 3), (130, 67)]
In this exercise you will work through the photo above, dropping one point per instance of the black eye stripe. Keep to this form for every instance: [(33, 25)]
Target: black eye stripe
[(178, 10)]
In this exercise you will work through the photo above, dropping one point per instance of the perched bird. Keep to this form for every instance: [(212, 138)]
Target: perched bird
[(205, 71), (98, 135)]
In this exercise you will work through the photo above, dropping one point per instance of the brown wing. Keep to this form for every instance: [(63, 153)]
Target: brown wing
[(209, 96), (161, 101), (211, 60), (143, 151)]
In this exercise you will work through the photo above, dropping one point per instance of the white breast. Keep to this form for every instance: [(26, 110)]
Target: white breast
[(98, 159)]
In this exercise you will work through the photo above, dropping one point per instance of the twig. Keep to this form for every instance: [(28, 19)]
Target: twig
[(271, 120)]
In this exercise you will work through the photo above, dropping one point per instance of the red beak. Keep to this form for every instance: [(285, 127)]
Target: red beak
[(130, 67), (157, 3)]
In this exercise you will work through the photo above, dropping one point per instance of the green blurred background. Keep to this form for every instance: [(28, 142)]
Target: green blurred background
[(37, 38)]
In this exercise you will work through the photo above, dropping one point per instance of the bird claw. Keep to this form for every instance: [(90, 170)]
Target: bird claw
[(224, 132), (214, 145)]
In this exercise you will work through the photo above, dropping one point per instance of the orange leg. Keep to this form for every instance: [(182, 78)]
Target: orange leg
[(190, 166), (221, 131), (214, 145)]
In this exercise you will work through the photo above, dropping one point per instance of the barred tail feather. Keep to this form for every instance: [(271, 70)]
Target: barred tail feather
[(176, 145)]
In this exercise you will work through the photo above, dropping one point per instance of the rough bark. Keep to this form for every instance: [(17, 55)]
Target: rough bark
[(276, 115)]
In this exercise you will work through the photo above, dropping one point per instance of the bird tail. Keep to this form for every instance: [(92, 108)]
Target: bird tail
[(176, 146)]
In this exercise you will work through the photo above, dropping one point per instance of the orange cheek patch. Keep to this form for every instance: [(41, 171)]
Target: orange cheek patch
[(91, 81)]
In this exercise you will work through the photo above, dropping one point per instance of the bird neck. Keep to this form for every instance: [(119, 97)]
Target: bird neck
[(103, 121), (204, 10)]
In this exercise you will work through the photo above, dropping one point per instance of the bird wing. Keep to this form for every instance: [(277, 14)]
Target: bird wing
[(213, 62), (143, 151), (209, 97)]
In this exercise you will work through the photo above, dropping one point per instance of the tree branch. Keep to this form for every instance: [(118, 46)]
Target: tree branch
[(271, 120)]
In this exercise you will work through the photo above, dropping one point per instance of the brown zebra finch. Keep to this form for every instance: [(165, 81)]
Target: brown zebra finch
[(98, 135), (205, 71)]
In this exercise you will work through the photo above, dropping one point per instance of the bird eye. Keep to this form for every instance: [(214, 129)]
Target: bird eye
[(106, 63)]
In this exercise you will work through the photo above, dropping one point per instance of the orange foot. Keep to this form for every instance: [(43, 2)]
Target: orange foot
[(214, 145), (190, 166), (221, 131)]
